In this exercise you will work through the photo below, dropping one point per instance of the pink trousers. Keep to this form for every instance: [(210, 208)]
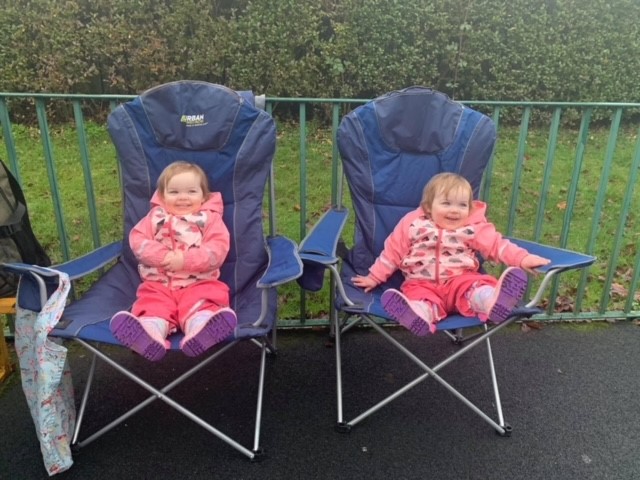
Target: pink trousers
[(177, 305), (451, 296)]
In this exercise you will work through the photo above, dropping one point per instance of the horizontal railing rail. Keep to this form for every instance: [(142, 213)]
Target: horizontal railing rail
[(562, 173)]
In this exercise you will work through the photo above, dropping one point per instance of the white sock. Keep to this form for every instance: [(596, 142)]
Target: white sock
[(424, 310), (157, 323), (481, 299), (196, 320)]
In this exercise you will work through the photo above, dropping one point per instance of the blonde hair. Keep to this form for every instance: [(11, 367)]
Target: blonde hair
[(444, 183), (179, 167)]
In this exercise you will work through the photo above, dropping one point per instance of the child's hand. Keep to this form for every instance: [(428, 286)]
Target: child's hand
[(367, 283), (531, 262), (173, 261)]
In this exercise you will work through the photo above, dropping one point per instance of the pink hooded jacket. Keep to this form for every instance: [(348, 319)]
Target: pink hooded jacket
[(202, 237), (424, 251)]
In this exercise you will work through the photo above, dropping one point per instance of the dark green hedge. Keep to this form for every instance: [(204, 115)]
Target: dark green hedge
[(568, 50)]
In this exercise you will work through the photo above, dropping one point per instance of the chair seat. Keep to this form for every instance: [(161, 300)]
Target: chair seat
[(100, 332)]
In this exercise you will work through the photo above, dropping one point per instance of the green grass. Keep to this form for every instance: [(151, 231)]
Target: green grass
[(71, 188), (104, 167)]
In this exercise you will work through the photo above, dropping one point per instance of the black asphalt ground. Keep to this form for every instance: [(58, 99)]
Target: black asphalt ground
[(570, 392)]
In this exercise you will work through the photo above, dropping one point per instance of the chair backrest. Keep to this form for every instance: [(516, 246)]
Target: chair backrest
[(390, 148), (233, 141)]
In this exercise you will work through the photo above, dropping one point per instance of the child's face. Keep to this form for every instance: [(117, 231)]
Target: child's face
[(450, 210), (183, 194)]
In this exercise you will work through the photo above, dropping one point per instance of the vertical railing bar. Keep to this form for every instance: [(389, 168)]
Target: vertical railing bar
[(336, 192), (485, 186), (112, 106), (517, 174), (303, 168), (9, 141), (617, 243), (633, 287), (336, 189), (548, 169), (599, 203), (271, 207), (303, 193), (86, 170), (573, 189), (51, 172), (575, 175)]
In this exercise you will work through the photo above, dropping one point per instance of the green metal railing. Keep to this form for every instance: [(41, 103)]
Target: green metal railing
[(572, 194)]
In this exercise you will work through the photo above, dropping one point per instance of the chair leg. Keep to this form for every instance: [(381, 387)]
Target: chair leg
[(501, 428), (83, 403), (256, 437), (162, 395), (337, 338), (496, 392)]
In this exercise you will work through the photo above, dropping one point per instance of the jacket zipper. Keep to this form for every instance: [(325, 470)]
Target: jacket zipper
[(438, 245), (173, 247)]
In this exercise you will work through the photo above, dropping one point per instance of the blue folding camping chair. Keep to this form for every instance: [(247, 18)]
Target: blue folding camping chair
[(390, 147), (234, 142)]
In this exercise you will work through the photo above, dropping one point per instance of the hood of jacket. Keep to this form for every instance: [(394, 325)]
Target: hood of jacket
[(478, 213)]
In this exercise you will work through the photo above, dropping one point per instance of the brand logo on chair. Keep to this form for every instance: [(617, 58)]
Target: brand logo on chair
[(193, 120)]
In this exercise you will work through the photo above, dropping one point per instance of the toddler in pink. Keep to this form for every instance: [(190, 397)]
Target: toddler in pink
[(180, 244), (435, 248)]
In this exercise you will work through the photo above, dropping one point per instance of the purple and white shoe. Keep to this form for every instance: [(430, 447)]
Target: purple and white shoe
[(413, 315), (141, 337), (206, 329), (510, 289)]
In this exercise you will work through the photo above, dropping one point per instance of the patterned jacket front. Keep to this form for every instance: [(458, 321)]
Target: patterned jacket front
[(424, 251), (202, 237)]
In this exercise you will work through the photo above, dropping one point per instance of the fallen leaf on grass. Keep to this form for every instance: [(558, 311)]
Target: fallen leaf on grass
[(618, 290), (530, 325), (564, 304)]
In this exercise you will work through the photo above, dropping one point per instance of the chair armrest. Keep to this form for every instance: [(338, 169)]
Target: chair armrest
[(320, 244), (284, 262), (39, 282), (318, 249), (36, 284), (76, 268), (92, 261), (561, 260)]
